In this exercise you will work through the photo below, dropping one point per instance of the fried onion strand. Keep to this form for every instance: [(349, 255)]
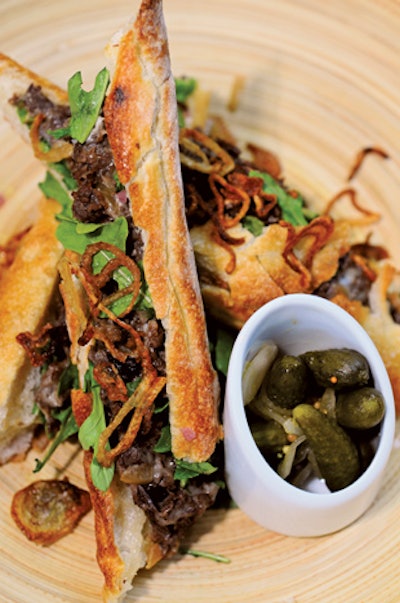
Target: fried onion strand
[(194, 145), (99, 280), (141, 399), (59, 151), (369, 216)]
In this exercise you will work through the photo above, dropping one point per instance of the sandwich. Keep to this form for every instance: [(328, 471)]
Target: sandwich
[(256, 238), (26, 305), (139, 378)]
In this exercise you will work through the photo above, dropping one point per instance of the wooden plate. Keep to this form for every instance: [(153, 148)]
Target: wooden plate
[(321, 80)]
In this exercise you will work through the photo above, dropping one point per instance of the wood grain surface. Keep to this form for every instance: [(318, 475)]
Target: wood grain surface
[(321, 80)]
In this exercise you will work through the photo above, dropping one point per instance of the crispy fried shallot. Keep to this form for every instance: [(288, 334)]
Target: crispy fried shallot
[(141, 399), (38, 347), (363, 264), (200, 152), (110, 381), (122, 342), (232, 198), (370, 251), (59, 151), (361, 155), (265, 160), (368, 216), (231, 265), (96, 281), (138, 403), (319, 230), (232, 202), (47, 510), (253, 186)]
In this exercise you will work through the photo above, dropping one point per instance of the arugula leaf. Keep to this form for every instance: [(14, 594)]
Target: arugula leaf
[(123, 277), (69, 379), (132, 385), (53, 189), (89, 433), (77, 236), (59, 133), (66, 175), (67, 429), (159, 409), (93, 426), (24, 116), (85, 106), (186, 470), (253, 225), (292, 207), (144, 301), (164, 442), (222, 350), (101, 476), (184, 86)]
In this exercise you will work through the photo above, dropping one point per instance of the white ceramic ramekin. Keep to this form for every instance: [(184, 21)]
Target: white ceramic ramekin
[(299, 323)]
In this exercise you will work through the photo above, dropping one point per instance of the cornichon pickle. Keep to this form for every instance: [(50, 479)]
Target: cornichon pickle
[(269, 435), (287, 381), (360, 409), (338, 368), (335, 453)]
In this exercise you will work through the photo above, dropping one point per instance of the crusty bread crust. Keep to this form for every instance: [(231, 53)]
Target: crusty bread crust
[(146, 153), (119, 523), (261, 272), (26, 292)]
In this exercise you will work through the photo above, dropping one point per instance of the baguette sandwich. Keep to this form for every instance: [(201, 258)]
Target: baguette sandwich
[(142, 389), (256, 239), (27, 303)]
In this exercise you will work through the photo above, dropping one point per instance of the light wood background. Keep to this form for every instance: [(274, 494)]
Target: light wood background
[(321, 81)]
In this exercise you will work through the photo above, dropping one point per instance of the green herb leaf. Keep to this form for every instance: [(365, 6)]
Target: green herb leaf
[(292, 207), (185, 86), (122, 276), (164, 442), (132, 385), (53, 189), (159, 409), (59, 133), (69, 379), (67, 429), (186, 470), (205, 555), (85, 106), (101, 476), (77, 236), (253, 225), (95, 424), (24, 116), (223, 348), (65, 174), (89, 434)]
